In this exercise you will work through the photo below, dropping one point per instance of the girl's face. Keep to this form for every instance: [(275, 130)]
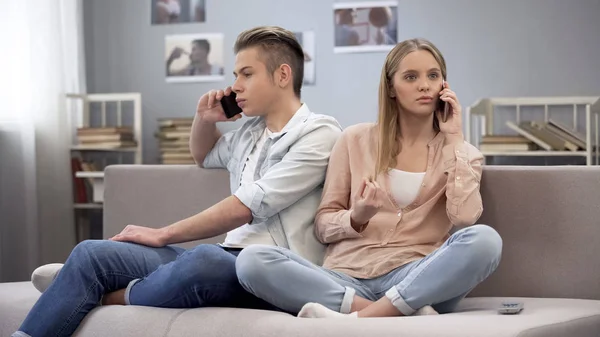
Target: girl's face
[(417, 83)]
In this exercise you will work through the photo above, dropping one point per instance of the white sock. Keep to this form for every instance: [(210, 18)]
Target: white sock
[(316, 310), (43, 276), (426, 310)]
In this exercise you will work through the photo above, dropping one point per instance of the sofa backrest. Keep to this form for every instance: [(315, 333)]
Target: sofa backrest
[(549, 220), (548, 217), (159, 195)]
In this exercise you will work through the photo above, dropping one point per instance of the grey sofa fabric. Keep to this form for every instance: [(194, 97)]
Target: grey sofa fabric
[(549, 220), (475, 317), (547, 217)]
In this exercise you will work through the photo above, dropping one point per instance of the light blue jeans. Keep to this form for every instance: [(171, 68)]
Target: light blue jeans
[(441, 279)]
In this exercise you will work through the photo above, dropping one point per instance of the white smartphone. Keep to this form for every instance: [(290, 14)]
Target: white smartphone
[(510, 308)]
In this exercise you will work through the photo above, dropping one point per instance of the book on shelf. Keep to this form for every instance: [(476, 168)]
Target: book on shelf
[(567, 133), (551, 135), (80, 193), (81, 190), (498, 143), (99, 138), (500, 147), (525, 132), (504, 139), (108, 145), (539, 131), (105, 137), (173, 122), (173, 140), (175, 134), (104, 130)]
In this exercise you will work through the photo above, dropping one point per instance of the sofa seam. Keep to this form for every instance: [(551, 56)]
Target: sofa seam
[(172, 320), (520, 334)]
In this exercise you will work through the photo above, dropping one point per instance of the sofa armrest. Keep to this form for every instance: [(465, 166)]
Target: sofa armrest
[(159, 195)]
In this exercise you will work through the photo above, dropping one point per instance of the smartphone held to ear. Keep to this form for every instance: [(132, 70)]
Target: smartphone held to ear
[(443, 107), (230, 105)]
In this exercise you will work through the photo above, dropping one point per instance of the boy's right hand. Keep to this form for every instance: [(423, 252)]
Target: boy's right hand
[(367, 203), (209, 107)]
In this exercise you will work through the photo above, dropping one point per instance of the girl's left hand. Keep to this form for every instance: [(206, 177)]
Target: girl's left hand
[(453, 125)]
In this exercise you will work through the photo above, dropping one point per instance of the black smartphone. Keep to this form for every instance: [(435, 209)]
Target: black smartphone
[(230, 106), (443, 107)]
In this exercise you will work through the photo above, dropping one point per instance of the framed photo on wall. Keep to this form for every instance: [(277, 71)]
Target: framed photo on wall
[(194, 58), (365, 26), (177, 11), (307, 41)]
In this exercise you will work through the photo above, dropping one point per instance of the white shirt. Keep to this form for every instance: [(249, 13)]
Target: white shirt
[(287, 206), (257, 233), (405, 186)]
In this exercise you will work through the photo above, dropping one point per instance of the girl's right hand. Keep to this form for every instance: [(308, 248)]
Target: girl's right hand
[(367, 203)]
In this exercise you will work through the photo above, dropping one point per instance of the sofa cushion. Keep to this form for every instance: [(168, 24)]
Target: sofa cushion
[(475, 317)]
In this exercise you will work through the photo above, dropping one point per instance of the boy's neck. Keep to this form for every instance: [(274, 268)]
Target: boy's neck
[(281, 113)]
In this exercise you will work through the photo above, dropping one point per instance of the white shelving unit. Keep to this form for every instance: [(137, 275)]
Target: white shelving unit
[(479, 121), (81, 114)]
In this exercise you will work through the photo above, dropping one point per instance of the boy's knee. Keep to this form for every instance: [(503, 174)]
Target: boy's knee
[(93, 248), (207, 264)]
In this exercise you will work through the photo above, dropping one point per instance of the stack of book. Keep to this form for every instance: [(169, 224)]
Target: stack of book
[(500, 143), (105, 137), (82, 192), (550, 136), (173, 140)]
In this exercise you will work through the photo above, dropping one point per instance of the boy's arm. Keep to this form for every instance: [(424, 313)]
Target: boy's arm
[(203, 138), (222, 217), (208, 147)]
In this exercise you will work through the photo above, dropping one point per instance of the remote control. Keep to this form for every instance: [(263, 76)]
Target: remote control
[(510, 308)]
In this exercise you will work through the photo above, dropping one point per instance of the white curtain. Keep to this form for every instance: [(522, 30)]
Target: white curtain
[(42, 59)]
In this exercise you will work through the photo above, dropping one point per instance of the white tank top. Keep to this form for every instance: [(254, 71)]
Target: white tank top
[(405, 186)]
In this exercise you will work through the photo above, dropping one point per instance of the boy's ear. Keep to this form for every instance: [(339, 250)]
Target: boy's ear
[(284, 74)]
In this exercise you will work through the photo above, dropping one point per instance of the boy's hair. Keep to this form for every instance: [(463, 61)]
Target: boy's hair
[(279, 46)]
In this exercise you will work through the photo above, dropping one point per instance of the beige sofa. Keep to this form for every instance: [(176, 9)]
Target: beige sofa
[(548, 217)]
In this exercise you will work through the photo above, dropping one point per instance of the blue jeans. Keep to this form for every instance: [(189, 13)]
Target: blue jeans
[(168, 277), (440, 279)]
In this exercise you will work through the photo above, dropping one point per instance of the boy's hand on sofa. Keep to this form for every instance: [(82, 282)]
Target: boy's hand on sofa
[(151, 237)]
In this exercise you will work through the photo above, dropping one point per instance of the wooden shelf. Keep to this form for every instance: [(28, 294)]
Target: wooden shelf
[(88, 206), (89, 174), (107, 149), (93, 111), (481, 119)]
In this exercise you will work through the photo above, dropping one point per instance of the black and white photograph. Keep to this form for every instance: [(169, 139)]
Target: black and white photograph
[(365, 26), (307, 41), (178, 11), (194, 58)]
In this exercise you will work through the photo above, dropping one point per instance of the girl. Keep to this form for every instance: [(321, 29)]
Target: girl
[(393, 192)]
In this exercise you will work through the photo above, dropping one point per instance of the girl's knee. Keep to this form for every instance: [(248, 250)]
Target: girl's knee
[(252, 260)]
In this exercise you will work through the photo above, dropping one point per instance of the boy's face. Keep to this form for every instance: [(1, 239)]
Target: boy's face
[(254, 85)]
